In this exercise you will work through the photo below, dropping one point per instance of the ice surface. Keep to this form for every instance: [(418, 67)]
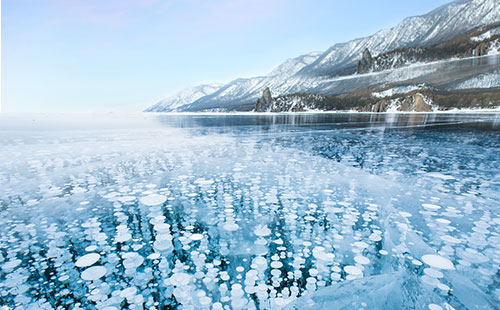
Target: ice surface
[(252, 212)]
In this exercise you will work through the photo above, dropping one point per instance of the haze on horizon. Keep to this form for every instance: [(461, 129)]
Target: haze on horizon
[(83, 56)]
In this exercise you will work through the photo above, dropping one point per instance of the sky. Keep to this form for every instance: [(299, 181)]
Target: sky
[(126, 55)]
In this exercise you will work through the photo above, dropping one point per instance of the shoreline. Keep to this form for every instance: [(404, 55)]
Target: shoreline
[(111, 113), (455, 111)]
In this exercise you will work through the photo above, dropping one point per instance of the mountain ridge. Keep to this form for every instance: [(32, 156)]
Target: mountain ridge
[(306, 73)]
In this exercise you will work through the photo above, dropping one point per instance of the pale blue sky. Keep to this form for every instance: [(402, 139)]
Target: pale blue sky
[(125, 55)]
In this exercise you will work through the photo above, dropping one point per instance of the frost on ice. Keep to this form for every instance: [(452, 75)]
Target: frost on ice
[(347, 219)]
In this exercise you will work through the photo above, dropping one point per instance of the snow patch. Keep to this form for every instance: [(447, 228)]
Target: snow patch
[(396, 90), (486, 35), (487, 80)]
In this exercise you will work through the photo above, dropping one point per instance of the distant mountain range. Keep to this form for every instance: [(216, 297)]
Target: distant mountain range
[(424, 63)]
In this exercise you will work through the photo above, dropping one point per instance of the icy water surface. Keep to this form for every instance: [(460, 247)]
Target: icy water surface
[(306, 211)]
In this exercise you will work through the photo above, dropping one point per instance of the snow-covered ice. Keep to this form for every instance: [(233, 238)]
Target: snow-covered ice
[(316, 211)]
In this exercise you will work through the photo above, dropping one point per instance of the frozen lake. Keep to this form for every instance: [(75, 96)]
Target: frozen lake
[(294, 211)]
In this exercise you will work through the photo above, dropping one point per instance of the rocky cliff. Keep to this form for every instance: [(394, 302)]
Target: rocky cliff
[(264, 103), (366, 64), (420, 100), (409, 103)]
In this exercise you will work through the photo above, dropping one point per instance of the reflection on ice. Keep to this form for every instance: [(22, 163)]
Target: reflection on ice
[(252, 216)]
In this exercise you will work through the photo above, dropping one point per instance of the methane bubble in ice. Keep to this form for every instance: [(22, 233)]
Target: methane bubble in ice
[(128, 292), (11, 264), (87, 260), (230, 226), (306, 211), (262, 231), (430, 206), (153, 199), (433, 273), (450, 239), (362, 260), (93, 273), (438, 262), (353, 270), (196, 237)]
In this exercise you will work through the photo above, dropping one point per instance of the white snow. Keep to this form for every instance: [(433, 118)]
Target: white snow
[(488, 80), (486, 35), (396, 90), (185, 96)]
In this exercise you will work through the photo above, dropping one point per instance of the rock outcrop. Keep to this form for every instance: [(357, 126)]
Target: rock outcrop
[(380, 106), (421, 100), (366, 63), (481, 49), (414, 103), (408, 103), (265, 102), (419, 104)]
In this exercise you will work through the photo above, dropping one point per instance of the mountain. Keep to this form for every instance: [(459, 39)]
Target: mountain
[(184, 97), (442, 23), (324, 72), (229, 96), (461, 72), (480, 41)]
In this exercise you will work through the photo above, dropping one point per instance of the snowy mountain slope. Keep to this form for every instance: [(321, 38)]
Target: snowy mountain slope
[(444, 22), (183, 97), (471, 82), (306, 73), (282, 79), (294, 65), (441, 74), (487, 80)]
